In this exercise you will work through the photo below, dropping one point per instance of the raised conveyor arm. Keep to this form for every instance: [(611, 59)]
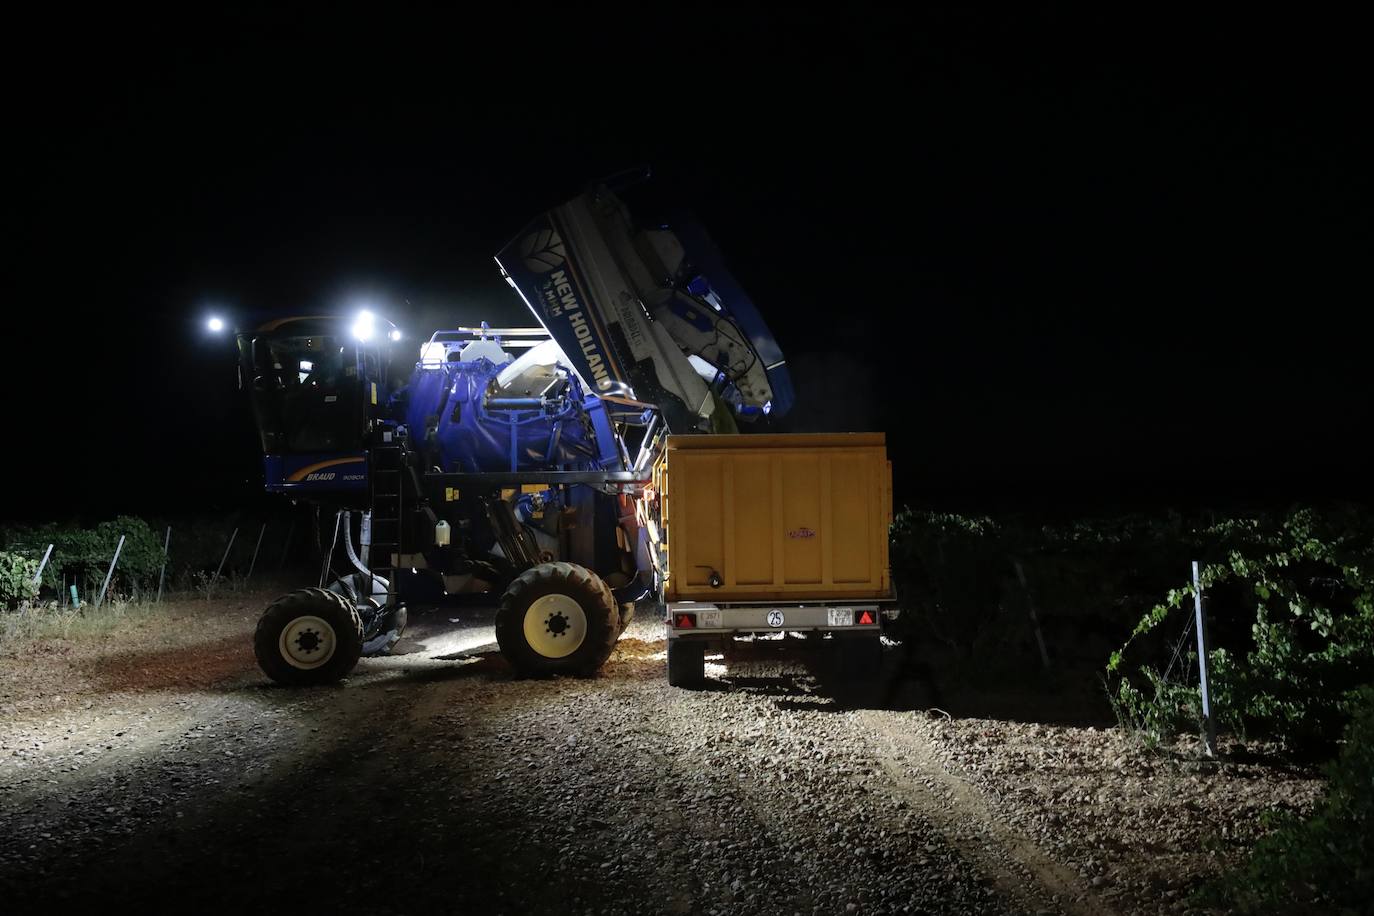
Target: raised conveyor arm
[(628, 308)]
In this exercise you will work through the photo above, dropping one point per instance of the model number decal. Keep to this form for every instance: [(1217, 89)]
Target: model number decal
[(802, 532)]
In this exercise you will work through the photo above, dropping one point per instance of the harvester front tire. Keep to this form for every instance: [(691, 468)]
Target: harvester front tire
[(307, 637), (557, 618)]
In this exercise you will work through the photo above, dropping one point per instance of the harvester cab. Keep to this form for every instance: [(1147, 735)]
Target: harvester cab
[(505, 460), (318, 384)]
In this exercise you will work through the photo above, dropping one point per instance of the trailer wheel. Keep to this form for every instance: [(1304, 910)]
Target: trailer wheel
[(309, 636), (860, 665), (557, 618), (686, 663), (861, 657)]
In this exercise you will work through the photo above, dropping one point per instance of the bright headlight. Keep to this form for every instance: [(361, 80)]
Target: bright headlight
[(365, 325)]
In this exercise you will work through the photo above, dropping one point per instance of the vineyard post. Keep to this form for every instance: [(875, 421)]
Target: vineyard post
[(106, 584), (37, 578), (286, 547), (209, 591), (256, 547), (47, 554), (1035, 619), (328, 558), (166, 545), (1208, 720)]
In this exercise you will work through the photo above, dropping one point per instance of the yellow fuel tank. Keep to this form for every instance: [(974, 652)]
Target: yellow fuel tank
[(773, 517)]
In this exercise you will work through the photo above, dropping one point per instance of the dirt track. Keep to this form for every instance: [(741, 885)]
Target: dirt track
[(434, 782)]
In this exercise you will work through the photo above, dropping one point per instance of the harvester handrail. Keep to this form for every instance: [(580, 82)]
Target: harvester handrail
[(459, 333)]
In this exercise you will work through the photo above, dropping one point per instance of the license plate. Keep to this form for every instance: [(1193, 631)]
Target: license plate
[(710, 620), (840, 616)]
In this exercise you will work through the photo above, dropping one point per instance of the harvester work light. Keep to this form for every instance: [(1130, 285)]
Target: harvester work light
[(215, 324), (365, 325)]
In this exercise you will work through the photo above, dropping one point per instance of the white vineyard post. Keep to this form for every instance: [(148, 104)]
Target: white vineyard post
[(166, 545), (209, 591), (106, 584), (1208, 720), (38, 576), (256, 547)]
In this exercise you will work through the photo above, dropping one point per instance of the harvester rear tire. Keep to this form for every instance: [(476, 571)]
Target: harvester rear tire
[(557, 618), (627, 613), (307, 637)]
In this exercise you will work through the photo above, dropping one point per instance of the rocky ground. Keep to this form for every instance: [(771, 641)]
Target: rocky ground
[(164, 773)]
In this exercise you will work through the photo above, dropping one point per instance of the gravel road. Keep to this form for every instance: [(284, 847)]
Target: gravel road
[(433, 781)]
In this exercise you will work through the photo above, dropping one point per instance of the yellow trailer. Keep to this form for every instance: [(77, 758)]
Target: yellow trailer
[(771, 533)]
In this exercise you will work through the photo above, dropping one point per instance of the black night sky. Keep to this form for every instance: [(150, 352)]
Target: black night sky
[(1057, 259)]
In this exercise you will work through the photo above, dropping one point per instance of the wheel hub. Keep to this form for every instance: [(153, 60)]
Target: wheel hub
[(555, 626), (307, 642)]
